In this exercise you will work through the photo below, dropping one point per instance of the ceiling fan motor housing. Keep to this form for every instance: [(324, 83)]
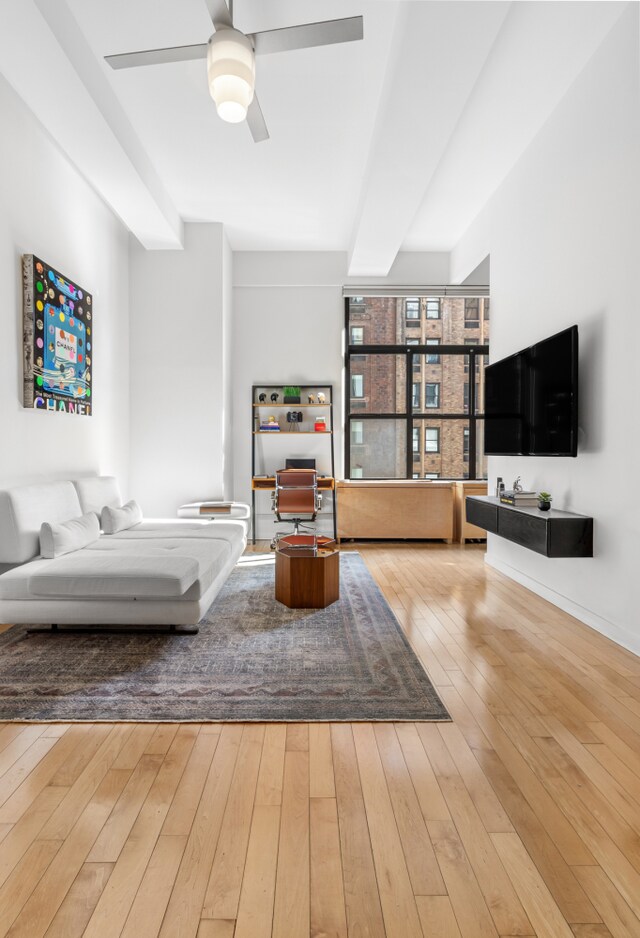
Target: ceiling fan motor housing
[(231, 69)]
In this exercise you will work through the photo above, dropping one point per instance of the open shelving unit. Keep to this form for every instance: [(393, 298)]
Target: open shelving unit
[(290, 431)]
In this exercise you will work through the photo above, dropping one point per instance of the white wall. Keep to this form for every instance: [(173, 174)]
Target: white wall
[(47, 209), (288, 329), (563, 236), (179, 407)]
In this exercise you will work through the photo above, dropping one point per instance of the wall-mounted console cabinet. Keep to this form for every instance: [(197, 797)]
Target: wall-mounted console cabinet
[(551, 533)]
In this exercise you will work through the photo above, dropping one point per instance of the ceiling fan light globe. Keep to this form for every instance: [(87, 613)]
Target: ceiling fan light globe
[(231, 111), (231, 73)]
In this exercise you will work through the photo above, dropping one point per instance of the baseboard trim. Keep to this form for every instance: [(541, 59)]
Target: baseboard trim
[(616, 633)]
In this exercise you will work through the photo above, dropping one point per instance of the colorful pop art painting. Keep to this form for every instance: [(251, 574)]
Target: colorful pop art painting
[(58, 327)]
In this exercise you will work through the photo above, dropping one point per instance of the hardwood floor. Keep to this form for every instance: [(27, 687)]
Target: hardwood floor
[(521, 817)]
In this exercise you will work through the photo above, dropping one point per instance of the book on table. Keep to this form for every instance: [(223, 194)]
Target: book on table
[(519, 499)]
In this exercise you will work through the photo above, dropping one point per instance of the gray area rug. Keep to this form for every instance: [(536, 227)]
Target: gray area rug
[(253, 660)]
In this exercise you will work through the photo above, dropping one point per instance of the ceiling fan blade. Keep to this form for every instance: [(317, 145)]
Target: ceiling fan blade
[(157, 56), (310, 34), (219, 13), (256, 121)]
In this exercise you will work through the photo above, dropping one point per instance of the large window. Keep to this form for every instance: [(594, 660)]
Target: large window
[(413, 412)]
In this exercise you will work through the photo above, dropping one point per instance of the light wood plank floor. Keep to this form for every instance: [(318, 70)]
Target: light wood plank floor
[(521, 817)]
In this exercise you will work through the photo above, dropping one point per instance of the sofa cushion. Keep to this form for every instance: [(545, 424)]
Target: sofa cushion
[(94, 492), (161, 528), (22, 511), (94, 574), (210, 555), (67, 536), (120, 519)]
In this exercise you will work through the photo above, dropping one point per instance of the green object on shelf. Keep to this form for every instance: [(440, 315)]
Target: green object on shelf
[(291, 394)]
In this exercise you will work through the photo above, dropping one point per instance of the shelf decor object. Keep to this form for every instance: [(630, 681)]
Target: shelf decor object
[(291, 394), (270, 418), (551, 533)]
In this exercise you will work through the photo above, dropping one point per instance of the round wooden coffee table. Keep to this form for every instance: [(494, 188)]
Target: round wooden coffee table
[(306, 577)]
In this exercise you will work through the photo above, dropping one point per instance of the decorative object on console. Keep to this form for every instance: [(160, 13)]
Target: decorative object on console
[(57, 326), (519, 498), (544, 501), (321, 397), (320, 426), (291, 394), (262, 398), (312, 398), (274, 397)]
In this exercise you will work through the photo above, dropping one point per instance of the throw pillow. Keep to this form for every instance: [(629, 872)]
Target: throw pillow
[(67, 536), (119, 519)]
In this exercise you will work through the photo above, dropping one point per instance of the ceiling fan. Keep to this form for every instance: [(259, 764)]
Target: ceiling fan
[(231, 56)]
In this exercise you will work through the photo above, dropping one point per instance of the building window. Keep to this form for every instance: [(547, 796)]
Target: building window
[(466, 358), (432, 440), (416, 358), (431, 358), (486, 308), (415, 475), (472, 313), (404, 404), (432, 394), (412, 308)]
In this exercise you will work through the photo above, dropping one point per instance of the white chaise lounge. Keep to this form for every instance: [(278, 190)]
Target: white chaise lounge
[(162, 572)]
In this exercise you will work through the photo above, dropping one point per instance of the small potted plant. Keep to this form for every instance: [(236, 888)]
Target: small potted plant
[(544, 501), (291, 394)]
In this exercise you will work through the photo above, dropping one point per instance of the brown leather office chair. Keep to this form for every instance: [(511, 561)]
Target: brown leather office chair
[(296, 495)]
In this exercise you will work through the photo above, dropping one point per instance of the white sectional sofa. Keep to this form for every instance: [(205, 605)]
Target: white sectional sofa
[(158, 572)]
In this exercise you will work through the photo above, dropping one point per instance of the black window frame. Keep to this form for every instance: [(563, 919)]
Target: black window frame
[(409, 414)]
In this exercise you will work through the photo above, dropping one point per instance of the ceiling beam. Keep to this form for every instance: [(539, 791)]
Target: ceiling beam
[(437, 54), (48, 62)]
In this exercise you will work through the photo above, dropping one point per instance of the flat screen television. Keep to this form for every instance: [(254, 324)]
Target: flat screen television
[(531, 400)]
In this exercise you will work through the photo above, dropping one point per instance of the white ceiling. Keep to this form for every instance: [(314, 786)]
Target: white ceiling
[(393, 143)]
